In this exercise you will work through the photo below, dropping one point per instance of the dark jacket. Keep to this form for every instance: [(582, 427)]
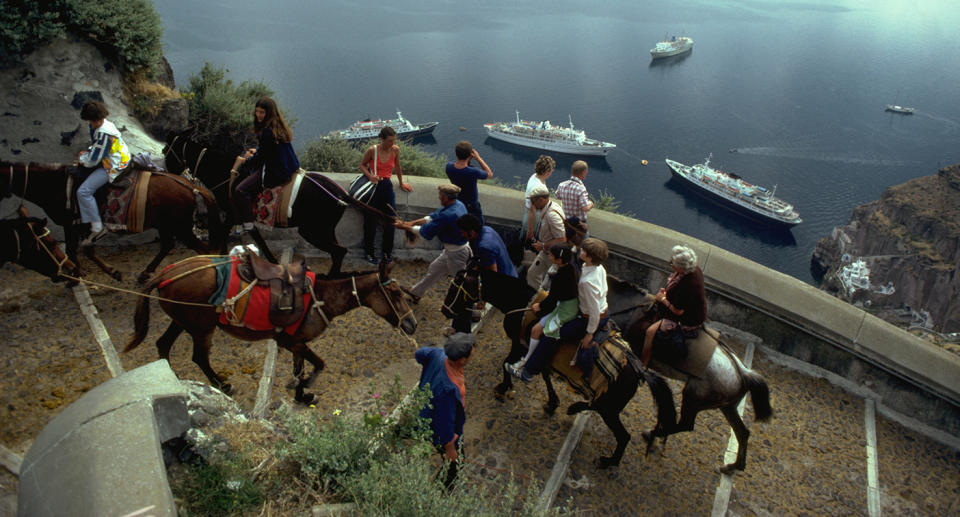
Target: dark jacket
[(688, 294), (563, 286), (278, 157)]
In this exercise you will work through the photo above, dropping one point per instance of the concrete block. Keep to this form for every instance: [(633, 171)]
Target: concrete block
[(101, 455)]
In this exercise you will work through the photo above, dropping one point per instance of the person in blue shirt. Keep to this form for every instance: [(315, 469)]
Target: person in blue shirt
[(465, 176), (441, 224), (443, 375), (486, 245)]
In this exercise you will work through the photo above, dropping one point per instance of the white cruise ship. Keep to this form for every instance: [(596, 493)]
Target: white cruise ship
[(733, 192), (546, 136), (671, 47), (370, 128)]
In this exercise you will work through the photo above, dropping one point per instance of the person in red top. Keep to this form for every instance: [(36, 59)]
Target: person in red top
[(682, 302), (378, 164)]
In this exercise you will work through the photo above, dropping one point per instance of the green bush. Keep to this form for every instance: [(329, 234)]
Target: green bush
[(131, 29), (338, 155), (221, 110), (26, 24), (224, 487), (333, 155)]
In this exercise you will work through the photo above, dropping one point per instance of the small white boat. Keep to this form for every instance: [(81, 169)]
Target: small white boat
[(370, 128), (896, 108), (671, 47)]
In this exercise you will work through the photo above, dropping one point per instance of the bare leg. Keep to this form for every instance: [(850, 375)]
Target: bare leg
[(648, 342)]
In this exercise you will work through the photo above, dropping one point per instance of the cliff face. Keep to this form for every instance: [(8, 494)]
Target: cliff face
[(40, 105), (910, 240)]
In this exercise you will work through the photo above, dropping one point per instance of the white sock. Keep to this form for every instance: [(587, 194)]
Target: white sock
[(533, 346), (248, 226), (96, 226)]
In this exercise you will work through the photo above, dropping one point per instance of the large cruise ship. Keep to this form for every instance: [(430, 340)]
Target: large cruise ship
[(732, 191), (546, 136), (671, 47), (370, 128)]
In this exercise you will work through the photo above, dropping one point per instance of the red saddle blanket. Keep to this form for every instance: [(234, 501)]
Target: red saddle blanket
[(252, 309), (268, 206), (124, 207)]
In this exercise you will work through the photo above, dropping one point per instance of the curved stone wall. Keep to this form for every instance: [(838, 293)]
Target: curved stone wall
[(906, 373)]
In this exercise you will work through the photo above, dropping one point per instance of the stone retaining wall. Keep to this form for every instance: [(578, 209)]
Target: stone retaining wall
[(904, 372)]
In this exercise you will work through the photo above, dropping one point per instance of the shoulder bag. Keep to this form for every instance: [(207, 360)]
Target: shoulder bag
[(361, 188)]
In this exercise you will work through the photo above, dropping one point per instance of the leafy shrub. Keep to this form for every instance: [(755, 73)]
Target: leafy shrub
[(26, 24), (333, 155), (221, 110), (338, 155), (219, 488), (131, 29)]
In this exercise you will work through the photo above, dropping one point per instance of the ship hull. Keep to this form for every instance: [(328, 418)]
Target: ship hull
[(558, 147), (731, 205), (422, 130), (669, 53)]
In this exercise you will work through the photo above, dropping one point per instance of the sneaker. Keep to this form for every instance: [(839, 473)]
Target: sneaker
[(94, 237), (371, 258), (518, 372)]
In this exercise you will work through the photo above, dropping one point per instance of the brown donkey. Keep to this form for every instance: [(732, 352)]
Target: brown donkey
[(171, 203), (185, 299)]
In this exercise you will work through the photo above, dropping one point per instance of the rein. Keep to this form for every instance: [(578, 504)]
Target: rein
[(38, 240)]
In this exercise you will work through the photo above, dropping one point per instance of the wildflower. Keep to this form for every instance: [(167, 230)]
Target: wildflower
[(376, 395), (336, 412)]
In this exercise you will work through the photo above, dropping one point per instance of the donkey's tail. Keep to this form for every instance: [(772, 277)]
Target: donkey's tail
[(760, 394), (662, 397), (141, 318)]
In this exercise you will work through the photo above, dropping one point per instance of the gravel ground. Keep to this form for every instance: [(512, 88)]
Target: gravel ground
[(808, 460)]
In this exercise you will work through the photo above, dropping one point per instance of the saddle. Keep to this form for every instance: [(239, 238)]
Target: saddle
[(288, 283), (613, 355), (699, 350)]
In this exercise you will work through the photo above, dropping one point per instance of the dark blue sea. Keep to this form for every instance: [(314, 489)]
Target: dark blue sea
[(797, 88)]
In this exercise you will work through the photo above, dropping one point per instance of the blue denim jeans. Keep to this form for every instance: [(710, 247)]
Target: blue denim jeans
[(89, 213)]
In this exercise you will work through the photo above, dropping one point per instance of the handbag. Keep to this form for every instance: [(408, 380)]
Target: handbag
[(361, 188)]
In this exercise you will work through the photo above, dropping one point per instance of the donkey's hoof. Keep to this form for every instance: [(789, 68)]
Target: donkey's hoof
[(577, 407), (729, 469), (116, 275), (226, 388), (550, 407), (142, 279), (306, 398), (607, 462)]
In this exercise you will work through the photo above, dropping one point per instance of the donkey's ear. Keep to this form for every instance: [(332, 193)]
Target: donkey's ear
[(23, 211)]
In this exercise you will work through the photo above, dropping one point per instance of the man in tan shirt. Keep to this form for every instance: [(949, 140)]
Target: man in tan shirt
[(549, 231)]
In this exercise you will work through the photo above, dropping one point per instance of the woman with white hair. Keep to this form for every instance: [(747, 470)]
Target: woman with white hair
[(682, 302)]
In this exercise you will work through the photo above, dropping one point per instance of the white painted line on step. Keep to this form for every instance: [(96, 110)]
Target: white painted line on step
[(721, 498), (559, 473), (873, 488), (10, 460), (89, 311), (265, 389)]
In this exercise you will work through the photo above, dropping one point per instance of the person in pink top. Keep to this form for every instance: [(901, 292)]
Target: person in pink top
[(379, 163)]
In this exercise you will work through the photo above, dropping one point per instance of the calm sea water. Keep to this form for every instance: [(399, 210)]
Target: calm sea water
[(798, 88)]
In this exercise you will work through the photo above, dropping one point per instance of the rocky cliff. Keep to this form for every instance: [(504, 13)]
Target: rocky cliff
[(909, 243), (40, 101)]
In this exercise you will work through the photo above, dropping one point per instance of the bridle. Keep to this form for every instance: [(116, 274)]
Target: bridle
[(39, 244), (187, 171), (462, 291), (318, 303), (383, 290)]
